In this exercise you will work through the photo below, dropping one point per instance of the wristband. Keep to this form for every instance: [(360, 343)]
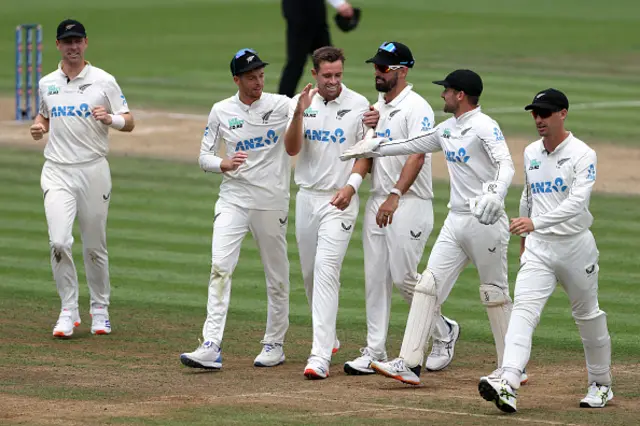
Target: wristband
[(355, 180), (117, 121), (396, 191)]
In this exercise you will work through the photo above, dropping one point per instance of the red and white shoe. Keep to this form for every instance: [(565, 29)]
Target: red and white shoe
[(67, 321)]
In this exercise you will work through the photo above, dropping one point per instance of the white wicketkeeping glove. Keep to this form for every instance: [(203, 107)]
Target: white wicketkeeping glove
[(366, 148), (489, 206)]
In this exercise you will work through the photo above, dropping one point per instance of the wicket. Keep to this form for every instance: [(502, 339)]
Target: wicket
[(31, 97)]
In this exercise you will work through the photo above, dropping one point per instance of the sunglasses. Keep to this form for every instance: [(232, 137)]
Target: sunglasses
[(243, 52), (387, 68), (542, 113)]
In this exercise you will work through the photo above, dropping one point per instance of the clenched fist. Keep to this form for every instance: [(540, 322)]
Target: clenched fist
[(101, 114), (37, 131)]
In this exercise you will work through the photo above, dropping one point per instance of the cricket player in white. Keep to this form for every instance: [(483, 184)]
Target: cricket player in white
[(476, 228), (399, 214), (556, 245), (324, 122), (254, 196), (79, 104)]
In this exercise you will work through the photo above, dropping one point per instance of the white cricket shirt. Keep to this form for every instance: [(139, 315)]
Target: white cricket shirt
[(406, 116), (262, 182), (329, 129), (558, 187), (75, 137), (475, 151)]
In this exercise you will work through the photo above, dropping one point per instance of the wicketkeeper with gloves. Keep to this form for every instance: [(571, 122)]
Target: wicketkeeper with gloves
[(476, 228)]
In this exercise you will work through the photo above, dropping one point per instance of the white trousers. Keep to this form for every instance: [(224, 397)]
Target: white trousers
[(391, 256), (323, 233), (573, 261), (83, 190), (269, 229), (463, 239)]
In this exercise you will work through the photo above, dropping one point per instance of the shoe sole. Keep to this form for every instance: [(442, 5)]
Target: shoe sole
[(100, 332), (455, 340), (524, 382), (62, 334), (259, 364), (587, 405), (312, 375), (195, 364), (395, 377), (355, 372), (490, 394)]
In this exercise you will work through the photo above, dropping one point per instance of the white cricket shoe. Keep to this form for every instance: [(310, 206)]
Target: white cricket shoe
[(524, 377), (272, 354), (67, 321), (398, 370), (207, 356), (597, 396), (499, 392), (442, 351), (361, 365), (497, 373), (317, 368), (100, 323)]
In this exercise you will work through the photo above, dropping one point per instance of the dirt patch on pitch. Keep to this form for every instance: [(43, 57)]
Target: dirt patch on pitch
[(177, 136)]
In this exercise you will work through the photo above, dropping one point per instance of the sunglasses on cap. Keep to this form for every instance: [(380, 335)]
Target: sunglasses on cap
[(387, 68), (542, 113), (243, 52)]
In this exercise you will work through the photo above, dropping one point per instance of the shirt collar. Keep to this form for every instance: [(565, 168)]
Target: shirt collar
[(559, 148), (340, 97), (394, 103), (244, 106), (468, 115), (83, 73)]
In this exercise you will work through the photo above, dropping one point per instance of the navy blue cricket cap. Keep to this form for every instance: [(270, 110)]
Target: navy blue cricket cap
[(393, 53), (246, 60), (549, 99), (70, 28), (465, 81)]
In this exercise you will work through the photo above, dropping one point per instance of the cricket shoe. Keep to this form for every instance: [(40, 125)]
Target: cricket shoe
[(207, 356), (362, 364), (67, 321), (497, 373), (597, 396), (272, 354), (317, 368), (100, 323), (398, 370), (499, 392), (442, 352)]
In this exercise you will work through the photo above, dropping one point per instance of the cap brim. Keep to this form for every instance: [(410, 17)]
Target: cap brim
[(543, 105), (71, 34), (441, 83), (381, 60)]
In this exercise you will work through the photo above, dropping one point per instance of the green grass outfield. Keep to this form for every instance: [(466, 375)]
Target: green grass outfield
[(175, 54), (159, 244)]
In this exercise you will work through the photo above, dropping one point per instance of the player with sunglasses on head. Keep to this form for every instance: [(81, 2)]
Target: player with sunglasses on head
[(254, 196), (476, 228), (399, 214), (556, 245)]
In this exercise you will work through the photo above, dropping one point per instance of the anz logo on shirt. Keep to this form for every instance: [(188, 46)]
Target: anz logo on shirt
[(548, 187), (337, 136), (386, 134), (82, 111), (257, 142), (457, 157)]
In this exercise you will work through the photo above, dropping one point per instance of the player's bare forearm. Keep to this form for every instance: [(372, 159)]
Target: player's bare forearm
[(293, 135), (410, 172), (362, 166), (129, 123)]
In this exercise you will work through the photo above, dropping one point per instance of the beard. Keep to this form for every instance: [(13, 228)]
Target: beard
[(386, 86)]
